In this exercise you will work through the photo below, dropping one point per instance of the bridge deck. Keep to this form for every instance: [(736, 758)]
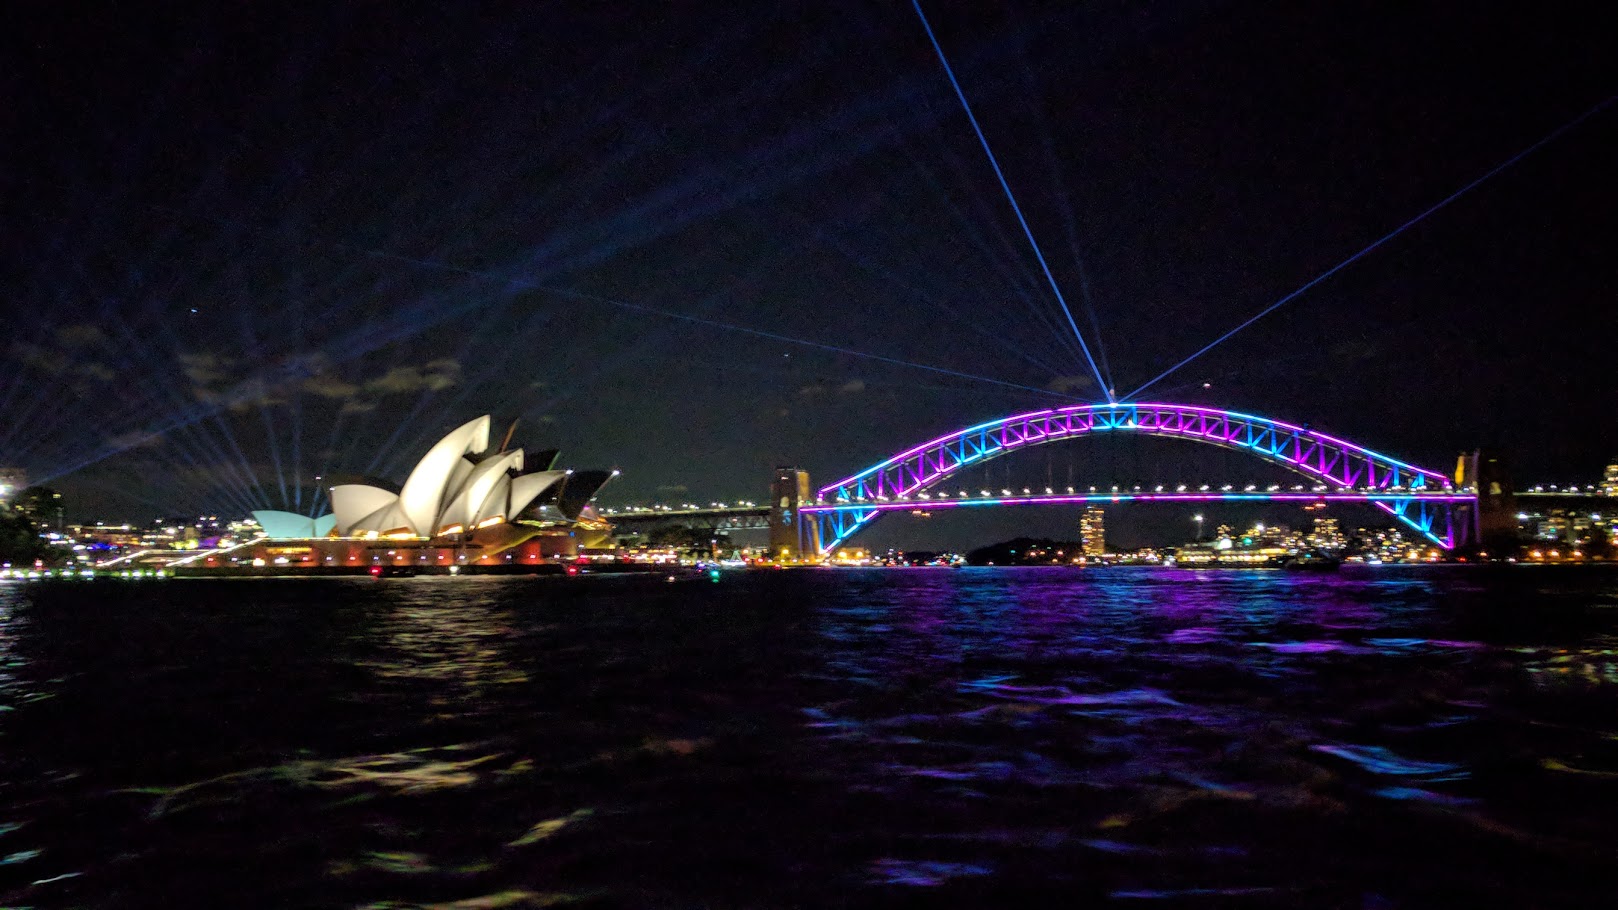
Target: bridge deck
[(914, 503)]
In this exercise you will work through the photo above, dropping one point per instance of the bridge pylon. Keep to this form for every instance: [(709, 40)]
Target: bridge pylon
[(793, 536), (1492, 522)]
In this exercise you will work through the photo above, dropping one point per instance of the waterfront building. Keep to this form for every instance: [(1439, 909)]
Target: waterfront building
[(452, 492), (1569, 527), (1326, 535), (106, 537), (851, 556), (291, 525), (1390, 544), (1093, 532), (458, 507), (40, 505), (1609, 479)]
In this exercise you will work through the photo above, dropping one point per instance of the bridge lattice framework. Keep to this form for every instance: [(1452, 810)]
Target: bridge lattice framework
[(1425, 500)]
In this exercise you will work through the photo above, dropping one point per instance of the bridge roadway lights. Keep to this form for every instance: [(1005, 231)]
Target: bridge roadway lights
[(1425, 500), (1429, 513)]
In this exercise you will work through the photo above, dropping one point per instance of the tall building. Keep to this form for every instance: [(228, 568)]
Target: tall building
[(1093, 531), (1609, 480)]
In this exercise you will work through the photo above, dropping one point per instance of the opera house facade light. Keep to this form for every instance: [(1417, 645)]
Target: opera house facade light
[(291, 525), (454, 490)]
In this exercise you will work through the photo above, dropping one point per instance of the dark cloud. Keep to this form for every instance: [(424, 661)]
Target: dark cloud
[(1068, 385), (82, 335), (96, 371), (435, 376), (135, 439), (43, 359), (67, 356), (250, 395), (326, 386), (206, 371)]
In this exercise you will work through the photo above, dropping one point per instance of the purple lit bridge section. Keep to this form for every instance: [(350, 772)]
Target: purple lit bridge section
[(1425, 500)]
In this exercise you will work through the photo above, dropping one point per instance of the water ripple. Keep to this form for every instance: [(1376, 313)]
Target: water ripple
[(817, 738)]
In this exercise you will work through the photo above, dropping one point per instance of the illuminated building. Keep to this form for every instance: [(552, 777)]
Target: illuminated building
[(1609, 480), (851, 556), (1562, 523), (12, 482), (449, 492), (285, 525), (457, 508), (107, 537), (1327, 535), (1093, 532), (40, 505)]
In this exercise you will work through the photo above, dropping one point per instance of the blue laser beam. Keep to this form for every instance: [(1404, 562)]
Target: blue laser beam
[(714, 323), (939, 301), (971, 228), (1547, 139), (1066, 210), (1028, 232)]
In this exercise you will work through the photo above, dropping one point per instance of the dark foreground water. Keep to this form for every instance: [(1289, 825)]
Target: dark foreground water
[(984, 737)]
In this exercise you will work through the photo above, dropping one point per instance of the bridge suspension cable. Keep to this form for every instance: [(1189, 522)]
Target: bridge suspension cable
[(1028, 232), (1546, 140)]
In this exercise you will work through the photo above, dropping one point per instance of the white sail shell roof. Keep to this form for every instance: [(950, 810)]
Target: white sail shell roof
[(447, 490), (352, 503), (426, 491), (278, 524), (484, 492), (526, 488)]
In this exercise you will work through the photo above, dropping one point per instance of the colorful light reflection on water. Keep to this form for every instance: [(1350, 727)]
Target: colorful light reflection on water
[(1403, 737)]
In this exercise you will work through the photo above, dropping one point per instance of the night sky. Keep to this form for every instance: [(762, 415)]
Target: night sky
[(249, 244)]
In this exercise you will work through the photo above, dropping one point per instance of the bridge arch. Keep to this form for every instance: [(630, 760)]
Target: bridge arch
[(848, 505)]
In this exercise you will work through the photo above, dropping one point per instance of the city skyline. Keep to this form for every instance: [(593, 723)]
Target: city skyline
[(244, 270)]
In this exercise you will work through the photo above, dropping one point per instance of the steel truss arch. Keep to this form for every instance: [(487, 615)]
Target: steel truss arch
[(1339, 465)]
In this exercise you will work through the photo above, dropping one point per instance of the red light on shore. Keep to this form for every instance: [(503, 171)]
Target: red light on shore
[(376, 571), (572, 570)]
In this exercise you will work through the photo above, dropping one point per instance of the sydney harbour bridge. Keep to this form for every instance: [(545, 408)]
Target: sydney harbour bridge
[(1448, 510), (1451, 511)]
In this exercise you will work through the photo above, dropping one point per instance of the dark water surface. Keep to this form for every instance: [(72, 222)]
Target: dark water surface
[(983, 737)]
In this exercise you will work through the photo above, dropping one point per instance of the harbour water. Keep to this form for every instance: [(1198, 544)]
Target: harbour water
[(1387, 738)]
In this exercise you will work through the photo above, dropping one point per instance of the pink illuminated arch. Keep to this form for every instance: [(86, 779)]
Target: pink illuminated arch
[(1338, 465)]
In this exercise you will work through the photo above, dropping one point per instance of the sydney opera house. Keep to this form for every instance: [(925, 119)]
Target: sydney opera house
[(461, 506)]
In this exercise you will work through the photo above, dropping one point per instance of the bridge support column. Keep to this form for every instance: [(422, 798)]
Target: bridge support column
[(1492, 523), (793, 536)]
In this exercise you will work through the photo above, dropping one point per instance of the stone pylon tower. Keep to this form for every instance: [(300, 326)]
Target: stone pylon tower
[(792, 537), (1493, 523)]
